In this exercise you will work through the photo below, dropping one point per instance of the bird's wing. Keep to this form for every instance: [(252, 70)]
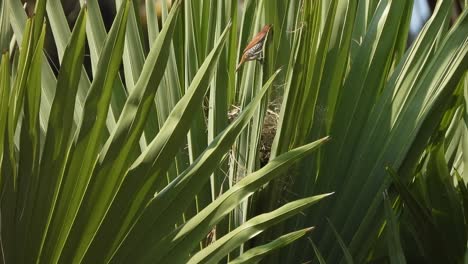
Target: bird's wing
[(254, 41)]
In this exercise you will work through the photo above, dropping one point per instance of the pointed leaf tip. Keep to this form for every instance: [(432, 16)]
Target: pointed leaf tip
[(279, 70)]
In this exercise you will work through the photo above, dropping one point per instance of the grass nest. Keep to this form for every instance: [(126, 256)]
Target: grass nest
[(269, 127)]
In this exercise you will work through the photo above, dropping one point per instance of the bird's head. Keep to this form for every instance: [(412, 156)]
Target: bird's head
[(267, 28)]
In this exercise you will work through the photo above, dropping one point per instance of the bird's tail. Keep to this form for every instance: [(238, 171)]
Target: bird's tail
[(240, 64)]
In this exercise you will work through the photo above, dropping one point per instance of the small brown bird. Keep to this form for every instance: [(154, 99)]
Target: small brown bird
[(254, 50)]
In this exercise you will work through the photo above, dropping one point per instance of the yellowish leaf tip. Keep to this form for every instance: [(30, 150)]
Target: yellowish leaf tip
[(279, 69)]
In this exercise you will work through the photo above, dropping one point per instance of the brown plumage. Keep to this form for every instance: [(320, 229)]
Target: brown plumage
[(254, 49)]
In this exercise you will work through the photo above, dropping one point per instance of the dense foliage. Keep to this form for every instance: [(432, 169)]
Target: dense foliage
[(142, 144)]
